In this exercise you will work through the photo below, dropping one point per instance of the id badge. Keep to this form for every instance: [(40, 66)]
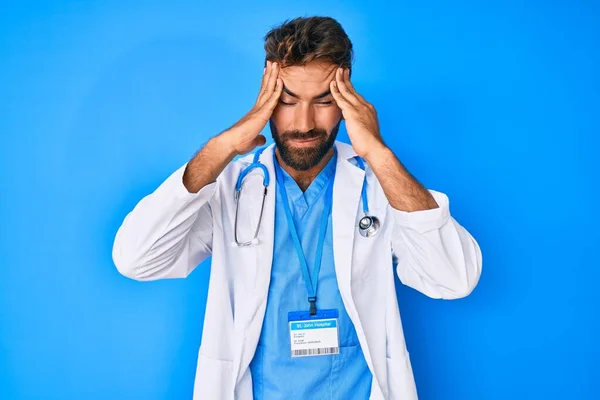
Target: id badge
[(314, 335)]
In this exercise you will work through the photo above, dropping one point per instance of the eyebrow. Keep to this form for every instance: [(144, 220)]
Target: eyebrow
[(324, 94)]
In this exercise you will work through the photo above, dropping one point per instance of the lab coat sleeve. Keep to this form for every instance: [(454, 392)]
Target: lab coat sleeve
[(167, 234), (434, 254)]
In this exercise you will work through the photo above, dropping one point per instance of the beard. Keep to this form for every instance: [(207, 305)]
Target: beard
[(303, 159)]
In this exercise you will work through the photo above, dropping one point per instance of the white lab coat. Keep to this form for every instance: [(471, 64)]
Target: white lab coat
[(171, 231)]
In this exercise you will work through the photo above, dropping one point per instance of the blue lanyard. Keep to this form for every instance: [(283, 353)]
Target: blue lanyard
[(310, 282), (363, 192)]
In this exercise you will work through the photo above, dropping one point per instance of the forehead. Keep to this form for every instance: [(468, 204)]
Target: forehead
[(308, 80)]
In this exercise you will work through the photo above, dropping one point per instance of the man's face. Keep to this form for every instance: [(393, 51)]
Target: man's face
[(306, 120)]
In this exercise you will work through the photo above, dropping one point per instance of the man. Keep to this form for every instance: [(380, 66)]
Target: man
[(308, 308)]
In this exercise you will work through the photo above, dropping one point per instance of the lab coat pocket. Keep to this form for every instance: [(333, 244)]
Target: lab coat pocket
[(372, 255), (219, 374), (400, 378)]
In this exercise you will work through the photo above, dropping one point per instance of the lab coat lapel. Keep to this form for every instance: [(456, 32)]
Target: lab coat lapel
[(248, 325), (346, 201), (266, 237), (346, 198)]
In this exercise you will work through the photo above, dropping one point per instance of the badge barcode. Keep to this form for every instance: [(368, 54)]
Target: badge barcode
[(315, 352)]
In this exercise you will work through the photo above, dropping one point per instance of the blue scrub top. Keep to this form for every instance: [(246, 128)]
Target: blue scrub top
[(275, 374)]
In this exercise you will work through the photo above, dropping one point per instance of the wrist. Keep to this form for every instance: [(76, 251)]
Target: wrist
[(222, 145), (377, 153)]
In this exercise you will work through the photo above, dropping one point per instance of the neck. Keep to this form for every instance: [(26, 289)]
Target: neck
[(305, 178)]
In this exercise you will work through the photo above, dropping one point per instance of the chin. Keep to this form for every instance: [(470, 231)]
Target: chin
[(300, 155), (304, 157)]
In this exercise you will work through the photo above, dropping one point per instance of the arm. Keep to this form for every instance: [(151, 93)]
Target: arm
[(433, 253), (402, 190), (170, 231)]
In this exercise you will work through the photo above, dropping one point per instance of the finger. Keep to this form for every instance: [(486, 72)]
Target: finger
[(343, 89), (264, 89), (272, 78), (339, 98), (351, 87), (271, 83), (272, 101), (267, 67), (265, 77), (260, 140)]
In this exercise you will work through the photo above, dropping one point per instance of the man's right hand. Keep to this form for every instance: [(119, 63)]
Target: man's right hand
[(244, 136), (241, 138)]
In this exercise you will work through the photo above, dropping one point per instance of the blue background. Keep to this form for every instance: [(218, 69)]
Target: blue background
[(495, 104)]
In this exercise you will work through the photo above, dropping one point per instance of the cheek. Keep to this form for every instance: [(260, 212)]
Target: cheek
[(282, 117), (328, 116)]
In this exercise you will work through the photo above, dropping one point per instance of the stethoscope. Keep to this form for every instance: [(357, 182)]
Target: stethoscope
[(368, 226)]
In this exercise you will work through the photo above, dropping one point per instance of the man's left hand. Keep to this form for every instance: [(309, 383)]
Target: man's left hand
[(362, 124)]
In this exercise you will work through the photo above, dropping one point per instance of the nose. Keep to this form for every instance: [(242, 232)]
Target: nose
[(304, 118)]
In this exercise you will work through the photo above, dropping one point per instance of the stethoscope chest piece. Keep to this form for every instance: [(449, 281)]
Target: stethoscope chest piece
[(368, 226)]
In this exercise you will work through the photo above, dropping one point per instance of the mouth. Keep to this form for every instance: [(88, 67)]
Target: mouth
[(304, 142)]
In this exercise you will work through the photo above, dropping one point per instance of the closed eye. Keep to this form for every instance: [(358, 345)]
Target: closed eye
[(320, 103)]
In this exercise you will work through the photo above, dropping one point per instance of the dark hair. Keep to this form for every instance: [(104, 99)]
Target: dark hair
[(302, 40)]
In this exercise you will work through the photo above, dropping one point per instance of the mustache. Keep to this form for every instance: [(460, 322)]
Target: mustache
[(298, 135)]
